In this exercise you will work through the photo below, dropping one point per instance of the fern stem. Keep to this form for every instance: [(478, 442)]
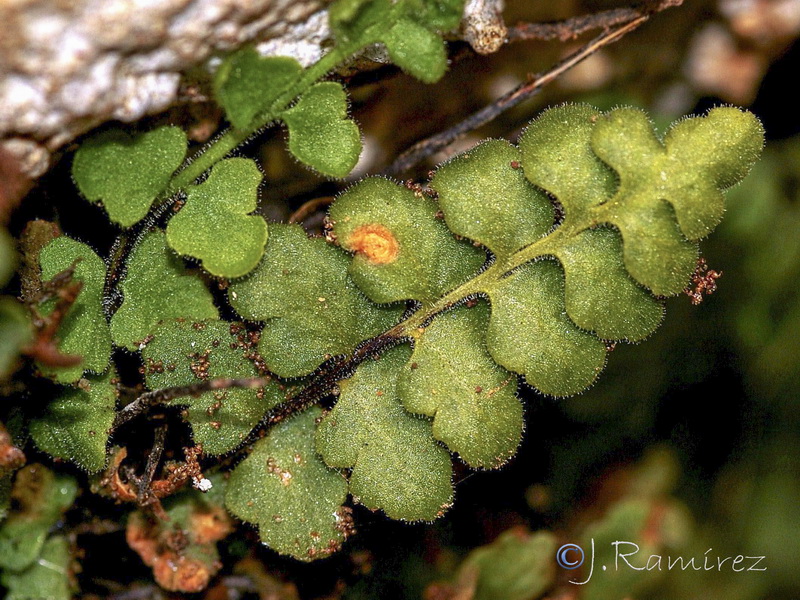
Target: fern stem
[(232, 138), (481, 284), (204, 160)]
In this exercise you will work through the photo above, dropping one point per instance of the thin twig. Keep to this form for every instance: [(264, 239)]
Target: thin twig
[(569, 29), (308, 208), (144, 492), (124, 244), (322, 383), (433, 144), (156, 397)]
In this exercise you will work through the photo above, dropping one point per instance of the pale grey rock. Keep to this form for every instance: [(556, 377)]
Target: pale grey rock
[(69, 65), (303, 41)]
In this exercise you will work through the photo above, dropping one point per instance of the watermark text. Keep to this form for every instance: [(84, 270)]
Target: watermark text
[(627, 555)]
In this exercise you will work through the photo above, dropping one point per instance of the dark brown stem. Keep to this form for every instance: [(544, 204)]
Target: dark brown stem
[(144, 493), (569, 29), (156, 397), (322, 383), (433, 144), (308, 208), (121, 250)]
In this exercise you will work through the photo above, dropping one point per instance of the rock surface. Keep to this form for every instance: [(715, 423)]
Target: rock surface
[(68, 65)]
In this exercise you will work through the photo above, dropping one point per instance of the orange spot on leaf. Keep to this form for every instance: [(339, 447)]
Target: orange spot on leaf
[(375, 242)]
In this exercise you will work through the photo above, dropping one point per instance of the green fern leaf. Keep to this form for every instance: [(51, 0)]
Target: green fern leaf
[(309, 304), (681, 178), (396, 464), (157, 289), (320, 134), (556, 356), (183, 352), (247, 84), (126, 173), (354, 20), (600, 294), (41, 499), (557, 156), (288, 492), (15, 333), (452, 378), (49, 577), (402, 250), (406, 27), (75, 426), (558, 290), (214, 226), (417, 50), (485, 197), (522, 261), (84, 331), (698, 159)]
